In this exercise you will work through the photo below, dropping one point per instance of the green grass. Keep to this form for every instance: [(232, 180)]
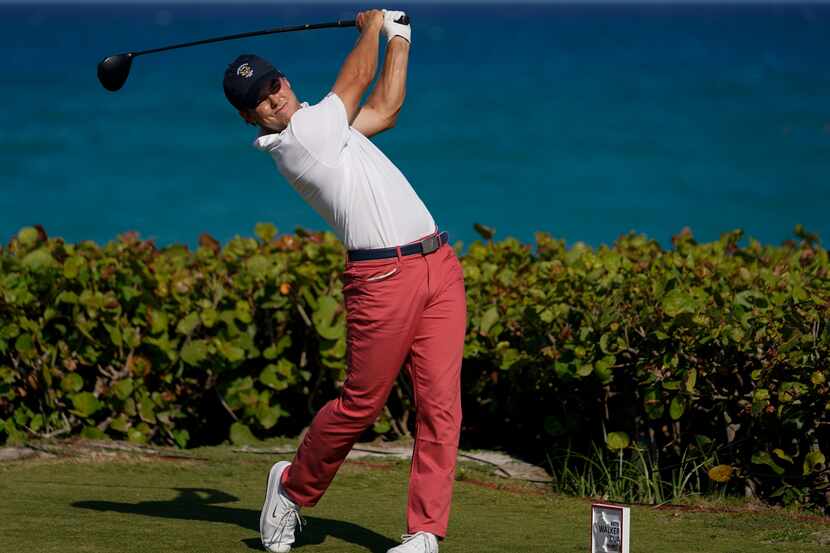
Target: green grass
[(113, 503)]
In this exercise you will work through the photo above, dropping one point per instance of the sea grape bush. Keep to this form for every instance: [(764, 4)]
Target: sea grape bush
[(710, 347), (717, 347)]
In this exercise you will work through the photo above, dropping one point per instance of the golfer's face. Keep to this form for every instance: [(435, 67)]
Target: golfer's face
[(276, 106)]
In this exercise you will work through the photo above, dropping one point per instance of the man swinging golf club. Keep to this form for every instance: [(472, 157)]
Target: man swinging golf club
[(403, 285)]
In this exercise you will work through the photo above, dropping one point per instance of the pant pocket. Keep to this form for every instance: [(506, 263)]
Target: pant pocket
[(383, 275)]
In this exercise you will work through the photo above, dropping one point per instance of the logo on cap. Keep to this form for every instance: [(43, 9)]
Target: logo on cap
[(245, 71)]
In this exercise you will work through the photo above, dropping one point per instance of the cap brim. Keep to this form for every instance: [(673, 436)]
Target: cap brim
[(252, 98)]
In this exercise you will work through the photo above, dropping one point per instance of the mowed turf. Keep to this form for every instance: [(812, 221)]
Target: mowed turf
[(117, 503)]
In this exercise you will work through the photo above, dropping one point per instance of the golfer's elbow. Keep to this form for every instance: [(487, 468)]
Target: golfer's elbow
[(392, 119), (390, 122), (386, 114), (389, 107)]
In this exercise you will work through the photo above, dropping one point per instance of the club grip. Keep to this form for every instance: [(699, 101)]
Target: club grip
[(403, 20)]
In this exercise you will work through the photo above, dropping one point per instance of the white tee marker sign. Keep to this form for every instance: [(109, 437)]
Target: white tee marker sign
[(610, 527)]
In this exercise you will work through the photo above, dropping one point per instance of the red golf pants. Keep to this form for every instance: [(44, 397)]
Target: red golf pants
[(402, 312)]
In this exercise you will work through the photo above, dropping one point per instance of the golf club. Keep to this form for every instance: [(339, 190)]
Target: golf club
[(114, 70)]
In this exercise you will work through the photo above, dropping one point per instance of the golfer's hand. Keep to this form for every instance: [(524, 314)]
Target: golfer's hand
[(370, 20), (392, 29)]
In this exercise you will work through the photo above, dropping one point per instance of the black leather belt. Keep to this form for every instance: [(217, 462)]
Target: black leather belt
[(423, 247)]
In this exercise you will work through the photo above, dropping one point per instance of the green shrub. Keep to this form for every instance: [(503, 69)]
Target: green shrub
[(702, 346), (657, 353)]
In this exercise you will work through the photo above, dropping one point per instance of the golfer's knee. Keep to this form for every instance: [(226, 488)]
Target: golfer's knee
[(438, 423), (360, 411)]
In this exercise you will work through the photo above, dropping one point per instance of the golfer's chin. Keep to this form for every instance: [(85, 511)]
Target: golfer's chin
[(273, 126)]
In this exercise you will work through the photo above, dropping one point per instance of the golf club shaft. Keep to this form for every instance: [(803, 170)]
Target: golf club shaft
[(339, 23)]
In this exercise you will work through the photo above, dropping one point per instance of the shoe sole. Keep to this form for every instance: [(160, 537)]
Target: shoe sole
[(272, 486)]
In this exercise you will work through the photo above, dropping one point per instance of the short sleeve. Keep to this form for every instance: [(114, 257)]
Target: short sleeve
[(323, 129)]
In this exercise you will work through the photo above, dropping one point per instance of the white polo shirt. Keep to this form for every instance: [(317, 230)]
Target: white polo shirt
[(346, 178)]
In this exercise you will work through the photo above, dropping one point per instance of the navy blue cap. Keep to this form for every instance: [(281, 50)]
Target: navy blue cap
[(244, 79)]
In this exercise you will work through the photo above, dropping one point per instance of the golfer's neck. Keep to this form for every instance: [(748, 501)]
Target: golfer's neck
[(266, 130)]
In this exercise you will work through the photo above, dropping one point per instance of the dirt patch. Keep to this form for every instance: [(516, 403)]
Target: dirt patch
[(93, 451), (17, 453), (749, 508), (496, 463)]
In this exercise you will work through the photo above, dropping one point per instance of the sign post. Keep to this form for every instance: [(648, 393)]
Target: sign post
[(610, 527)]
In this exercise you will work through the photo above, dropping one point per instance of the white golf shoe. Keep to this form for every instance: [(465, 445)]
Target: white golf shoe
[(280, 516), (420, 542)]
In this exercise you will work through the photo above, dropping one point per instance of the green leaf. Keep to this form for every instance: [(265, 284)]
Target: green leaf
[(28, 236), (603, 368), (72, 267), (488, 319), (39, 260), (209, 317), (273, 351), (123, 389), (132, 337), (584, 369), (813, 461), (677, 407), (147, 410), (243, 312), (181, 437), (782, 455), (9, 331), (231, 352), (120, 423), (791, 391), (67, 297), (382, 426), (187, 325), (25, 345), (265, 231), (509, 358), (764, 458), (72, 383), (258, 266), (241, 435), (194, 352), (677, 301), (617, 441), (267, 416), (115, 335), (36, 423), (136, 436), (85, 403), (93, 433), (158, 321), (325, 319), (278, 376), (691, 380)]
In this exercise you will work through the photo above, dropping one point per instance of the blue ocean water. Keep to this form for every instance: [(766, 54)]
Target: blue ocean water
[(585, 121)]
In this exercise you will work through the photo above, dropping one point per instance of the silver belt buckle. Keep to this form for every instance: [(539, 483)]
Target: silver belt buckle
[(429, 245)]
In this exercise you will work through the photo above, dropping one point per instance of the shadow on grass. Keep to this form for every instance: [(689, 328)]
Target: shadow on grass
[(203, 504)]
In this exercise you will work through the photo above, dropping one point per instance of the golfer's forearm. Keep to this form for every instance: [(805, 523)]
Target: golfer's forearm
[(362, 62), (390, 90)]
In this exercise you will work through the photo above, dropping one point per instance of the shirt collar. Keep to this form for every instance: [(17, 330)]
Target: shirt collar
[(266, 141)]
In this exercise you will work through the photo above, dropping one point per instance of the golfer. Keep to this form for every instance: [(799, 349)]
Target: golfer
[(403, 285)]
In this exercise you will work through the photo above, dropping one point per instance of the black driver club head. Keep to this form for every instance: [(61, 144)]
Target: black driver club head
[(114, 70)]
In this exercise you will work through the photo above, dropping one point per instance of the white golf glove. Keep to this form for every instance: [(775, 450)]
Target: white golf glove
[(392, 29)]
